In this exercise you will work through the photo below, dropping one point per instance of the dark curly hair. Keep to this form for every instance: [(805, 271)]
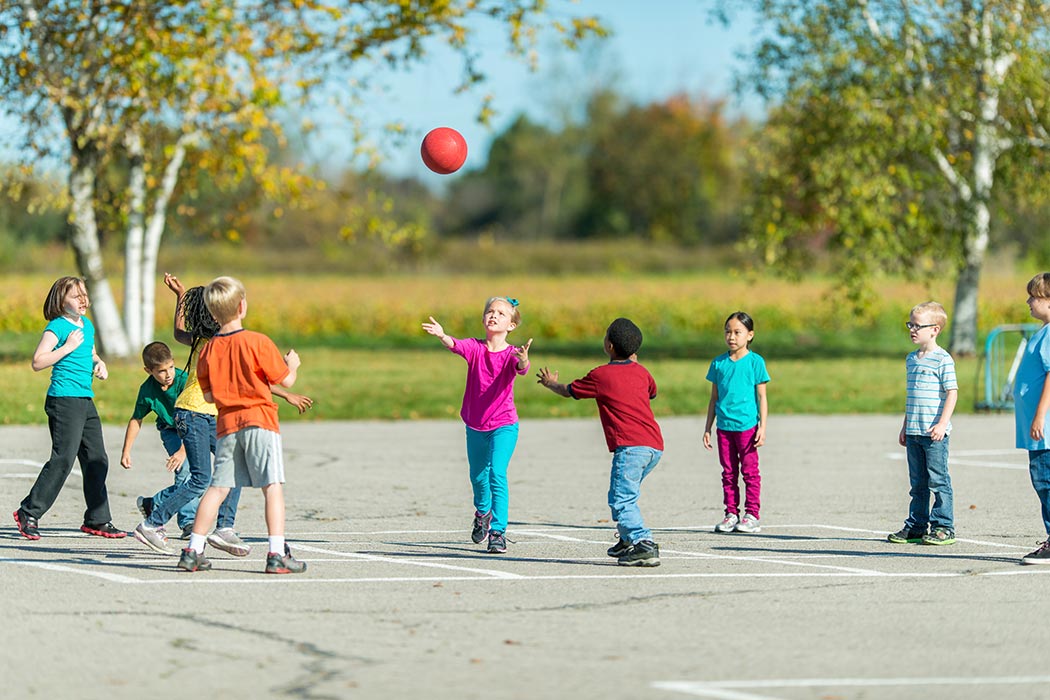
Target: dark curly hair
[(625, 337)]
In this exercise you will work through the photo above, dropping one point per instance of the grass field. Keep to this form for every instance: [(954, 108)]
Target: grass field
[(365, 355)]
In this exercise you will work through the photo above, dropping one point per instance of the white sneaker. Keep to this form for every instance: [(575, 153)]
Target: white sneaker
[(227, 540), (728, 523), (154, 538), (748, 523)]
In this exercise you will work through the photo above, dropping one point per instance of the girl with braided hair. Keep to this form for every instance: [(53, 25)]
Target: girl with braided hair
[(195, 422)]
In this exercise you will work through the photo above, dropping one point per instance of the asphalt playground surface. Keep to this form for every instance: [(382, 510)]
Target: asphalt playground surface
[(398, 603)]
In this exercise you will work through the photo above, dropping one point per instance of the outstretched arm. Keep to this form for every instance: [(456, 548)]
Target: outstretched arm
[(181, 334), (522, 353), (434, 328), (549, 379), (302, 403)]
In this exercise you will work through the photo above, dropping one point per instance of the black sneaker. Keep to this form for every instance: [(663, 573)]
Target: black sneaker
[(497, 543), (145, 506), (1039, 556), (103, 530), (907, 536), (644, 553), (618, 549), (27, 525), (187, 530), (191, 561), (284, 563), (481, 527)]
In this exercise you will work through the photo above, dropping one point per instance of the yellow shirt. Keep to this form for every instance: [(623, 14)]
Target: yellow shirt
[(192, 398)]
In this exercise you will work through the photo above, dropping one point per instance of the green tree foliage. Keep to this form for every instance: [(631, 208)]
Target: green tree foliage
[(895, 125)]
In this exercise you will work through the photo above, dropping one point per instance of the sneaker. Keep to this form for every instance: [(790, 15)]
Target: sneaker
[(481, 527), (748, 523), (940, 536), (728, 523), (155, 538), (644, 553), (145, 505), (103, 530), (497, 543), (187, 530), (27, 525), (227, 540), (619, 549), (907, 536), (284, 564), (191, 561), (1039, 556)]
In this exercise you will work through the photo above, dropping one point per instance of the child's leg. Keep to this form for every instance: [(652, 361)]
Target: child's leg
[(943, 512), (749, 471), (629, 466), (479, 456), (184, 497), (94, 465), (1039, 470), (730, 461), (65, 422), (502, 444), (206, 513), (274, 495), (919, 475)]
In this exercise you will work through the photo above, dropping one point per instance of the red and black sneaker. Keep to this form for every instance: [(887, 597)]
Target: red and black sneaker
[(103, 530), (27, 525)]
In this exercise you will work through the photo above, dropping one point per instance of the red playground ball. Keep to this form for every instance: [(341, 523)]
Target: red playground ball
[(444, 150)]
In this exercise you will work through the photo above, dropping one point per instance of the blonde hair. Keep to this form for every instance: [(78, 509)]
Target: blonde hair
[(932, 310), (515, 315), (223, 297), (56, 296), (1039, 286)]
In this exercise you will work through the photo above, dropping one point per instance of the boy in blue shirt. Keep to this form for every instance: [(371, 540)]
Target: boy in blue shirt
[(932, 393), (1032, 404)]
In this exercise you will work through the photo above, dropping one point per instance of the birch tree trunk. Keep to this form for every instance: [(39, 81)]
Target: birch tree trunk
[(134, 279), (111, 337)]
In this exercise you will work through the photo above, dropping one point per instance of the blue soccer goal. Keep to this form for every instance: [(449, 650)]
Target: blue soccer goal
[(998, 367)]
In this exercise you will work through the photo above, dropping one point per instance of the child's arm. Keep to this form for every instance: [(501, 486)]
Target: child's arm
[(47, 353), (522, 354), (301, 403), (549, 379), (179, 326), (101, 371), (434, 328), (1038, 429), (939, 428), (710, 416), (134, 426), (763, 413), (291, 358)]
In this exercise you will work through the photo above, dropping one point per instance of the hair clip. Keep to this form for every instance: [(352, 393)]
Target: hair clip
[(512, 301)]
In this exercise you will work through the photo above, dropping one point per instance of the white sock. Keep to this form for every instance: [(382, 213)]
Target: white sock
[(197, 542), (277, 544)]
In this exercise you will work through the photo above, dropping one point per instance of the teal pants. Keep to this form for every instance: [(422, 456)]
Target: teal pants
[(489, 453)]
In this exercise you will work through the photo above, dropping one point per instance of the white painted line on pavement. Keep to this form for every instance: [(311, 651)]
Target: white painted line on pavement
[(730, 690), (47, 566), (398, 560)]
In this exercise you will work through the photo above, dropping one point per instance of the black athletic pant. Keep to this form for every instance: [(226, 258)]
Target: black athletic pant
[(76, 433)]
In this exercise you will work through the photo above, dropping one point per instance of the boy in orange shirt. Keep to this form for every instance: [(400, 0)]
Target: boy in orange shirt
[(235, 371)]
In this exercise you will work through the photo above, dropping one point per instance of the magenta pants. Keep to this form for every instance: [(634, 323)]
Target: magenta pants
[(739, 457)]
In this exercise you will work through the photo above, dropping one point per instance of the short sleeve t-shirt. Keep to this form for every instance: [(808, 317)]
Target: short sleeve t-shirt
[(72, 375), (623, 390), (930, 378), (488, 397), (238, 369), (1028, 388), (153, 398), (192, 398), (736, 409)]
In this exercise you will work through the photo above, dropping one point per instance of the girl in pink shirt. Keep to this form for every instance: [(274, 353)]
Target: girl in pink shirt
[(489, 414)]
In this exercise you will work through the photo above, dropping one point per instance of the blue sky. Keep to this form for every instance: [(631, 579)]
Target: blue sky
[(657, 48)]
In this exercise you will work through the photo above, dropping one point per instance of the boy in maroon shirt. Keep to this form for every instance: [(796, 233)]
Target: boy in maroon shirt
[(623, 390)]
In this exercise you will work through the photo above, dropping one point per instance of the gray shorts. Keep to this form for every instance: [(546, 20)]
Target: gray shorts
[(248, 457)]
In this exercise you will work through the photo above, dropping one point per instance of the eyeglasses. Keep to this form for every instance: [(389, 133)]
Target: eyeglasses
[(918, 327)]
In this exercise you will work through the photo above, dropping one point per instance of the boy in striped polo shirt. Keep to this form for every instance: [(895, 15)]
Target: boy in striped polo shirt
[(932, 394)]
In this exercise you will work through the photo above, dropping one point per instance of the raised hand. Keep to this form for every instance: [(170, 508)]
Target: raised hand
[(434, 328)]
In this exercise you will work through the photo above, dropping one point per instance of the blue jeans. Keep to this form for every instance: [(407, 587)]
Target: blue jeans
[(630, 465), (169, 437), (197, 431), (1039, 469), (928, 472), (489, 453)]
